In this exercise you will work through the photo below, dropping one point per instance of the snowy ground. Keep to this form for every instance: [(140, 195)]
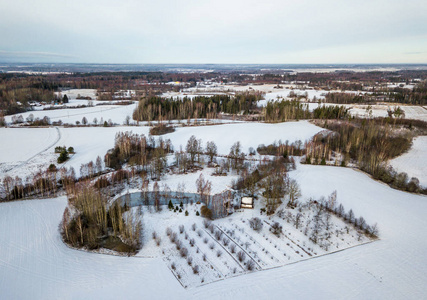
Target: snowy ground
[(414, 162), (411, 112), (249, 134), (89, 142), (116, 113), (380, 110), (25, 148), (35, 264)]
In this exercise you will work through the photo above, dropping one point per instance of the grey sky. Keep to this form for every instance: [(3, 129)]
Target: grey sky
[(221, 31)]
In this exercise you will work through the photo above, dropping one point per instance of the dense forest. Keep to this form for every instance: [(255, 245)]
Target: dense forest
[(158, 108)]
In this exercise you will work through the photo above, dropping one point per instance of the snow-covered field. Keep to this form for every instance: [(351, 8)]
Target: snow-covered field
[(411, 112), (89, 142), (116, 113), (35, 264), (360, 110), (20, 147), (414, 162), (249, 134)]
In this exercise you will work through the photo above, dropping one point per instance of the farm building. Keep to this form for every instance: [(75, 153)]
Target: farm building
[(247, 202)]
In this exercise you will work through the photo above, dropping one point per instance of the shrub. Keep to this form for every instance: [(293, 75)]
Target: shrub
[(63, 157), (173, 237), (276, 228), (256, 224), (241, 256), (206, 212), (168, 231), (250, 265), (196, 269), (218, 235), (183, 252), (161, 129), (206, 223)]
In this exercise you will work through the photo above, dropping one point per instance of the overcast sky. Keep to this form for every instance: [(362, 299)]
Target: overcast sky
[(220, 31)]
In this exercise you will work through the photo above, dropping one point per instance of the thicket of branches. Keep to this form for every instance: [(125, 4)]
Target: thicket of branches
[(136, 149), (90, 223), (282, 149), (370, 145)]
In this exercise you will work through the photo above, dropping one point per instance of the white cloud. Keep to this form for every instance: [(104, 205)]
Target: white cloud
[(191, 31)]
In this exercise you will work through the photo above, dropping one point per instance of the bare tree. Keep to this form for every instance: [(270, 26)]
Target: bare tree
[(203, 188), (294, 192), (211, 150), (192, 148)]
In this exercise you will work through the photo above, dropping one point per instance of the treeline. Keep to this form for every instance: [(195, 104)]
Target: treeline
[(347, 98), (43, 183), (16, 100), (92, 224), (416, 96), (158, 108), (17, 90), (282, 149), (285, 110)]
